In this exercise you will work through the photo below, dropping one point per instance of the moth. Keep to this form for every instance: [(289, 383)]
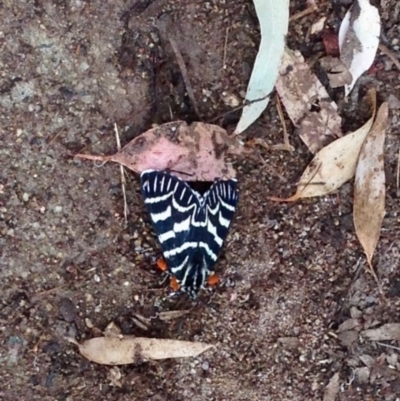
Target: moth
[(190, 227)]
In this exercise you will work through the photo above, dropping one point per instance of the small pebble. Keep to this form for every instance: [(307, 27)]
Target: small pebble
[(67, 309), (205, 365)]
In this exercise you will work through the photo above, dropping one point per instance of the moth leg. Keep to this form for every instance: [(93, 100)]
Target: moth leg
[(213, 279), (162, 265)]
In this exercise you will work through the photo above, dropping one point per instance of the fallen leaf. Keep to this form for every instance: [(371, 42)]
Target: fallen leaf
[(130, 349), (389, 331), (367, 360), (349, 324), (300, 90), (348, 338), (337, 72), (362, 375), (332, 389), (333, 165), (359, 39), (274, 21), (195, 152), (369, 188)]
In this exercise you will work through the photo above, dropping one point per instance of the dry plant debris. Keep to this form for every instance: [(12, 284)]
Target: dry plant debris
[(337, 72), (359, 39), (389, 331), (332, 389), (333, 165), (195, 152), (125, 350), (369, 188), (299, 89)]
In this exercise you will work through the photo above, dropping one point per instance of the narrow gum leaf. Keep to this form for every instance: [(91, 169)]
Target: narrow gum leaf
[(274, 21), (369, 188), (129, 349)]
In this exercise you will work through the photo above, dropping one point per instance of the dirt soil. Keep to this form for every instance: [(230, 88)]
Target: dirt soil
[(291, 274)]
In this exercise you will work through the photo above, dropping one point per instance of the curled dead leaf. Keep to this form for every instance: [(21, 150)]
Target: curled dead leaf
[(130, 349), (195, 152)]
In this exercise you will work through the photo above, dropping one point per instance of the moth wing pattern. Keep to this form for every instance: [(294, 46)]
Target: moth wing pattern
[(169, 201)]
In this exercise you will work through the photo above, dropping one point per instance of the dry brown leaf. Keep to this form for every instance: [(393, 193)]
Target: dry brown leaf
[(299, 90), (369, 188), (130, 349), (332, 389), (195, 152), (389, 331), (333, 165), (337, 72)]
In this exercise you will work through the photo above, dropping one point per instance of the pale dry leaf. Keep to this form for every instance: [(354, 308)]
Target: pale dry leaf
[(349, 324), (274, 21), (300, 90), (334, 165), (359, 39), (369, 187), (348, 338), (332, 389), (367, 360), (195, 152), (130, 349), (171, 315), (389, 331), (362, 375)]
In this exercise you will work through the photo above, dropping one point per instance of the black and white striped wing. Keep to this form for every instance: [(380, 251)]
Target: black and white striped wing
[(171, 203), (215, 217), (190, 227)]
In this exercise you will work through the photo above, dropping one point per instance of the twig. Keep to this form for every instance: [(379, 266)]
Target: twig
[(387, 345), (398, 172), (286, 145), (301, 14), (225, 48), (123, 181), (185, 75)]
